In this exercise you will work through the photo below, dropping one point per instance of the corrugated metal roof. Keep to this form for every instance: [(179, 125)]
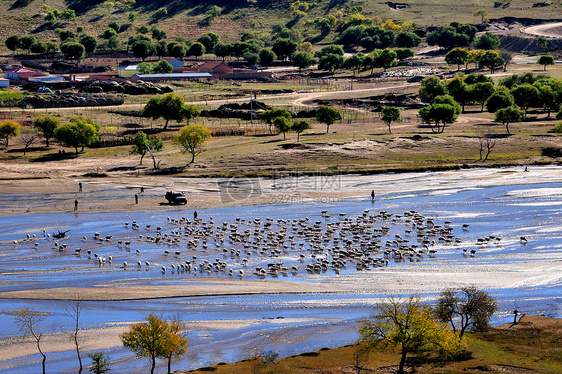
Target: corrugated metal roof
[(130, 67), (176, 75)]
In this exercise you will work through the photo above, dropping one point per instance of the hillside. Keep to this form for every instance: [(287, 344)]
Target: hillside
[(188, 18)]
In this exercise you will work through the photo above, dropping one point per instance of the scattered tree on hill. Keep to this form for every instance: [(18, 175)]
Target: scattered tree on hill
[(100, 363), (73, 50), (457, 56), (410, 326), (9, 129), (546, 60), (354, 62), (509, 115), (154, 339), (447, 37), (542, 43), (488, 41), (89, 42), (191, 138), (390, 114), (331, 49), (300, 127), (78, 133), (431, 87), (196, 49), (212, 13), (47, 126), (385, 58), (109, 32), (482, 13), (169, 107), (142, 145), (26, 41), (327, 115), (28, 321), (474, 307), (12, 42), (38, 47), (507, 57), (282, 124)]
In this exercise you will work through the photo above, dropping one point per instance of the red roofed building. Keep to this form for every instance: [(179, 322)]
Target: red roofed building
[(17, 72), (214, 67)]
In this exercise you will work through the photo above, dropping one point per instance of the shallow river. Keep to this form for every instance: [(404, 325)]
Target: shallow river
[(505, 203)]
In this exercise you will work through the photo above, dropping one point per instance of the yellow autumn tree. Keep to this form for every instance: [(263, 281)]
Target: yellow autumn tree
[(191, 138), (155, 339), (410, 326)]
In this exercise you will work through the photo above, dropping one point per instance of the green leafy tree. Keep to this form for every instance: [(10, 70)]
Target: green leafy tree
[(491, 60), (300, 127), (472, 306), (177, 49), (546, 60), (506, 57), (174, 345), (302, 60), (108, 33), (162, 67), (266, 56), (390, 114), (78, 133), (169, 107), (47, 126), (354, 62), (189, 112), (251, 58), (407, 40), (212, 13), (223, 50), (411, 327), (330, 62), (481, 91), (284, 48), (431, 87), (269, 116), (191, 139), (89, 42), (158, 34), (403, 53), (448, 99), (153, 339), (142, 145), (457, 56), (282, 124), (143, 49), (100, 363), (440, 114), (331, 49), (9, 129), (13, 42), (196, 49), (160, 13), (209, 40), (73, 50), (38, 47), (460, 91), (550, 95), (327, 115), (487, 41), (26, 41), (386, 58), (542, 43), (499, 100), (28, 321), (525, 96), (509, 115), (113, 43)]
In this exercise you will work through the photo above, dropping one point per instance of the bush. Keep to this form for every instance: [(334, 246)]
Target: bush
[(558, 128)]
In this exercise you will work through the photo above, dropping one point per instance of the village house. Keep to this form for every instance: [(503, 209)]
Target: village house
[(4, 82), (170, 77)]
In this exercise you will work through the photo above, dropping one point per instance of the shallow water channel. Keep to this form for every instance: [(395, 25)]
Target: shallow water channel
[(475, 204)]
